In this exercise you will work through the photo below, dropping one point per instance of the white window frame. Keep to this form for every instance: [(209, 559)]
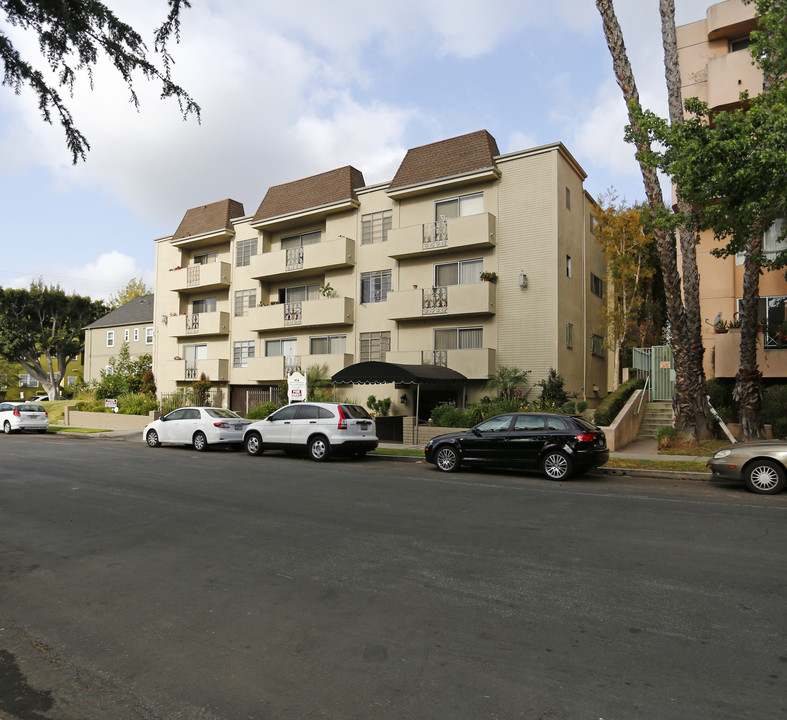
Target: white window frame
[(126, 335), (136, 334), (378, 283), (244, 301), (460, 272), (374, 345), (336, 344), (110, 338), (242, 350), (375, 226), (463, 202), (461, 335), (245, 250), (149, 335)]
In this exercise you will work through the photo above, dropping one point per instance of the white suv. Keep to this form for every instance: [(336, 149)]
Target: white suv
[(319, 428)]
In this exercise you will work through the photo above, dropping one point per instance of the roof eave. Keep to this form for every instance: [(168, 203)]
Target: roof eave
[(483, 175), (308, 214)]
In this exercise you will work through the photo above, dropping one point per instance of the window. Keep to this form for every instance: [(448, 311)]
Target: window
[(458, 273), (327, 344), (126, 335), (244, 251), (568, 199), (110, 338), (299, 293), (740, 44), (374, 345), (244, 299), (26, 380), (136, 334), (241, 352), (569, 335), (597, 345), (568, 266), (375, 227), (771, 245), (205, 258), (596, 285), (276, 348), (375, 286), (593, 225), (205, 305), (293, 241), (148, 336), (458, 338), (459, 206)]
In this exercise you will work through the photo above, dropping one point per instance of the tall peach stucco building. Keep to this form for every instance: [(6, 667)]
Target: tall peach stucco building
[(716, 67)]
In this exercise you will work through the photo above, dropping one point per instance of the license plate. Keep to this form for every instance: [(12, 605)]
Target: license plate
[(239, 427)]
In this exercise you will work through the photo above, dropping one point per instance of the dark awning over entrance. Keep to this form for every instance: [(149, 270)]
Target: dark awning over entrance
[(382, 372)]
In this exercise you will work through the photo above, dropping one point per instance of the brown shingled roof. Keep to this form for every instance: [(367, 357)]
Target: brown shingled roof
[(214, 217), (311, 192), (463, 154)]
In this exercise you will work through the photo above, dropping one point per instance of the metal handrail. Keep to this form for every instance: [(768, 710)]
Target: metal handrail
[(644, 392)]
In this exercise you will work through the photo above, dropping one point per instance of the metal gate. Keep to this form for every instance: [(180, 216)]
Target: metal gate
[(658, 364)]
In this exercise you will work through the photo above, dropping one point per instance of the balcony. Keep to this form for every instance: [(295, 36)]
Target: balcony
[(771, 353), (473, 231), (306, 314), (729, 75), (200, 278), (301, 261), (185, 371), (452, 301), (473, 363), (277, 368), (198, 324)]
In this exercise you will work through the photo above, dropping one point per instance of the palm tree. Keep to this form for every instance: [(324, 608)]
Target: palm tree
[(317, 382), (507, 380)]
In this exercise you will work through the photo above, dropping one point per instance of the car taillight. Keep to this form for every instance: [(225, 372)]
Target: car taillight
[(17, 413), (223, 425), (586, 437), (342, 419)]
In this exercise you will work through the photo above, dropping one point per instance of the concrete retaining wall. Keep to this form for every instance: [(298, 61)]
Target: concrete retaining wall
[(107, 421), (625, 426)]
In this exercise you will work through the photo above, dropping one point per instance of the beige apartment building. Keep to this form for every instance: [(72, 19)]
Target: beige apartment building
[(716, 67), (331, 271)]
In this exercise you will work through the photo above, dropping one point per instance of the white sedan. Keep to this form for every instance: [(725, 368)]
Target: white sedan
[(196, 426)]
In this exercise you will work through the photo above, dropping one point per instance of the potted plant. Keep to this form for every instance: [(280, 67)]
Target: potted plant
[(326, 290), (721, 327), (489, 276)]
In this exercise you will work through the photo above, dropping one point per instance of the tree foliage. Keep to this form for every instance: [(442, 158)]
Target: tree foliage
[(72, 36), (633, 298), (42, 329), (124, 374), (133, 289)]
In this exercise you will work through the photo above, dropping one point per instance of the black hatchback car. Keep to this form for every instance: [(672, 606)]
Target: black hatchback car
[(558, 445)]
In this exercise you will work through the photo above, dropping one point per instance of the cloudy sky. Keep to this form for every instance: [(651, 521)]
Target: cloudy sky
[(290, 89)]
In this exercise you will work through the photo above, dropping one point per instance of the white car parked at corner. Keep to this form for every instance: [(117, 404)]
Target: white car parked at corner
[(199, 427), (18, 416), (316, 427)]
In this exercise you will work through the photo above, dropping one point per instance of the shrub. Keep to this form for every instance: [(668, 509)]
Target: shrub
[(135, 404), (569, 408), (380, 407), (581, 406), (666, 436), (611, 405), (553, 392), (148, 383), (201, 390), (719, 391), (774, 409), (448, 415), (262, 411)]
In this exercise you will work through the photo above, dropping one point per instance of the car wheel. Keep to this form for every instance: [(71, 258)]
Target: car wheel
[(446, 459), (319, 448), (7, 427), (765, 477), (253, 444), (152, 439), (556, 465), (200, 442)]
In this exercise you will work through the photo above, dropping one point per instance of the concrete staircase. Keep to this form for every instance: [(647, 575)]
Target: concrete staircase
[(656, 415)]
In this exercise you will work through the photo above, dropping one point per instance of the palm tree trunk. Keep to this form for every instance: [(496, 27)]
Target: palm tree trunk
[(688, 406), (748, 380)]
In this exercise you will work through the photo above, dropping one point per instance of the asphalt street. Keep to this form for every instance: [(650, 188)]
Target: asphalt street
[(165, 583)]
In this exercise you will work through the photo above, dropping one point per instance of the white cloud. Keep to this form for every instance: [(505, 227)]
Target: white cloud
[(98, 280)]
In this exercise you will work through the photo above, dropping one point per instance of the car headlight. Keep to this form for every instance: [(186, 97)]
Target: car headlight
[(719, 454)]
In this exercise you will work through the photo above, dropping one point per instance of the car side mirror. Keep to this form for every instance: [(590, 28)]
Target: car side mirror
[(476, 431)]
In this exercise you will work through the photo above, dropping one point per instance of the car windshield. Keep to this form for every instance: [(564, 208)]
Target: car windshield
[(221, 413), (357, 412)]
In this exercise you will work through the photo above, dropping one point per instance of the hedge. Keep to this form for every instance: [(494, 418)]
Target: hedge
[(611, 405)]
